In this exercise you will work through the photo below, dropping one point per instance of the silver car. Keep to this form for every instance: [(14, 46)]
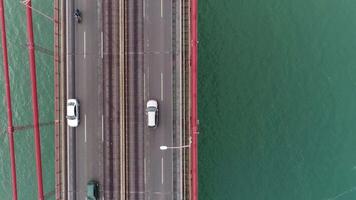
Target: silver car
[(72, 112), (152, 113)]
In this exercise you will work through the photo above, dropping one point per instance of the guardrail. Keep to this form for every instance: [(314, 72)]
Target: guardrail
[(186, 96), (194, 93), (57, 99)]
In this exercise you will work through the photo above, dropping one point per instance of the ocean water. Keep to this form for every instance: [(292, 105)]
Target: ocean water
[(22, 104), (277, 99)]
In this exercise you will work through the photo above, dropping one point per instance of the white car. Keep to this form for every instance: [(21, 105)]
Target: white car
[(152, 113), (72, 112)]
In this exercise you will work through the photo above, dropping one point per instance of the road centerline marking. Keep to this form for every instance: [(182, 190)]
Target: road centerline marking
[(144, 170), (85, 128), (148, 80), (162, 178), (144, 86), (161, 86), (84, 45), (102, 45), (161, 8)]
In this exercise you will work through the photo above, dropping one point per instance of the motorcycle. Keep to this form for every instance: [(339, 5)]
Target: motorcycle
[(78, 16)]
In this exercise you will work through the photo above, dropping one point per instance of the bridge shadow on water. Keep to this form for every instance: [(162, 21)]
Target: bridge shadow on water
[(29, 126)]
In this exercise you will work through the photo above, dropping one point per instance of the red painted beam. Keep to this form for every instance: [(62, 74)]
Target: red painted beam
[(194, 104), (37, 137), (10, 128)]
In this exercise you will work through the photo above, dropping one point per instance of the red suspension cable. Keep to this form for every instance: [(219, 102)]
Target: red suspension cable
[(10, 128), (31, 53)]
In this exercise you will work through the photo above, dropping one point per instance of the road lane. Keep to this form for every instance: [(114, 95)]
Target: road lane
[(70, 94), (159, 65), (87, 91), (157, 84)]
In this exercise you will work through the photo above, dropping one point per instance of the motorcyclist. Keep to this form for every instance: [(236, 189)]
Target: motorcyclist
[(77, 15)]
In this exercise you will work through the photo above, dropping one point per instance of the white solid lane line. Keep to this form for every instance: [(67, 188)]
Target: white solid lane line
[(102, 45), (85, 128), (181, 155), (161, 86), (144, 86), (144, 9), (180, 96), (84, 44), (162, 178), (67, 61), (161, 8), (102, 128)]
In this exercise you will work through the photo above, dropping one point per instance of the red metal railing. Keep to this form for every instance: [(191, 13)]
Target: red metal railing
[(10, 128), (31, 53), (194, 109)]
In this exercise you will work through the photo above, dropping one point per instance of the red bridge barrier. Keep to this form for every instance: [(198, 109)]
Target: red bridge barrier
[(194, 109), (10, 128)]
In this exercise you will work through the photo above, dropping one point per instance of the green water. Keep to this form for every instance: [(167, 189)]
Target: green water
[(22, 104), (277, 99)]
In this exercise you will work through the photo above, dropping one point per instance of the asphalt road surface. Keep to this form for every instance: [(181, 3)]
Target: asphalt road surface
[(158, 66), (84, 84), (84, 73)]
